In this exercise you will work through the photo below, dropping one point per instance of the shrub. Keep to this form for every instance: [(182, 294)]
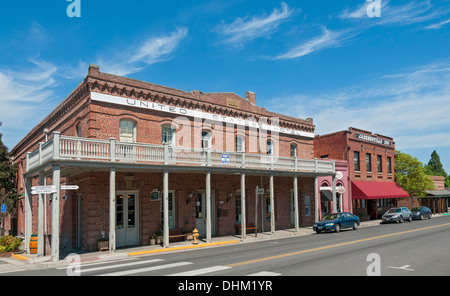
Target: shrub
[(9, 243)]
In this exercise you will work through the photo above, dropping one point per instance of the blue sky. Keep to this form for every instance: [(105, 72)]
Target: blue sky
[(322, 59)]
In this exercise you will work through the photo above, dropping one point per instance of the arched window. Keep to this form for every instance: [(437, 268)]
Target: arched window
[(269, 147), (293, 149), (206, 139), (127, 130)]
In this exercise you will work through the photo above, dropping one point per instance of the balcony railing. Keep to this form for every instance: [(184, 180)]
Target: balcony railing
[(65, 147)]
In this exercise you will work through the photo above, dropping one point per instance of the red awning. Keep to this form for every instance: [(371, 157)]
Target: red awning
[(376, 190)]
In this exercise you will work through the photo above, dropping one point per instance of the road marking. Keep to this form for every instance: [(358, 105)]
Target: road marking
[(201, 271), (402, 268), (331, 246), (146, 269), (82, 264), (119, 265), (264, 273)]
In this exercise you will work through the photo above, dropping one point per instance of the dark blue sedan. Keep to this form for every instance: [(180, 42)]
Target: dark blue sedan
[(336, 222), (421, 213)]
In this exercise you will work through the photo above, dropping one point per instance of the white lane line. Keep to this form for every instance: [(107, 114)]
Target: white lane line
[(146, 269), (119, 265), (200, 271), (98, 262), (264, 273)]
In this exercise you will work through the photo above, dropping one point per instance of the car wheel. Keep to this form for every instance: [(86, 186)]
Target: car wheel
[(429, 217), (401, 220), (337, 228), (410, 218), (421, 217), (355, 226), (318, 231)]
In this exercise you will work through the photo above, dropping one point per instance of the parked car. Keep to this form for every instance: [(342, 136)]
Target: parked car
[(399, 214), (421, 213), (336, 222)]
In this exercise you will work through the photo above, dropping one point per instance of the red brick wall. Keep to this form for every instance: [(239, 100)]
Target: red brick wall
[(94, 188)]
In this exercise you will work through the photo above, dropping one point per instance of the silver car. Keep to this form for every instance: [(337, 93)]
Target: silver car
[(399, 214)]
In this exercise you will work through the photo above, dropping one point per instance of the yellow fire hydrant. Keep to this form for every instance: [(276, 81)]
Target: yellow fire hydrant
[(195, 235)]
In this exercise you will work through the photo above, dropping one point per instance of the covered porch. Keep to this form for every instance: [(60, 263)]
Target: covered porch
[(63, 158)]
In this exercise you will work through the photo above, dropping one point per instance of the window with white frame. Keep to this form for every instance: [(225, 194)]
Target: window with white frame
[(293, 149), (269, 147), (168, 135), (240, 144), (206, 139), (127, 130)]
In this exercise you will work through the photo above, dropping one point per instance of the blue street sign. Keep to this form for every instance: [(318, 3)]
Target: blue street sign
[(225, 158), (3, 209)]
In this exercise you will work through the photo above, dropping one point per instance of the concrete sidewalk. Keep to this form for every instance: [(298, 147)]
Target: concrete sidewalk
[(32, 261)]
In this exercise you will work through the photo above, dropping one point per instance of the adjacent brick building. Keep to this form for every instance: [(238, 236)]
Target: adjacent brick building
[(371, 165), (147, 158)]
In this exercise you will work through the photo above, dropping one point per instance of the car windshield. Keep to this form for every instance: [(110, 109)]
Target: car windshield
[(331, 217), (397, 210), (415, 209)]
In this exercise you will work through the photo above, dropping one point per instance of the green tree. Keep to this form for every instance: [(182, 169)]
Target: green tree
[(410, 175), (447, 181), (8, 172), (434, 166)]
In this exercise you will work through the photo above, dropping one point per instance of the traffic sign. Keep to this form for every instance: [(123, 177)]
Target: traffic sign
[(225, 158), (69, 187), (45, 189), (3, 208)]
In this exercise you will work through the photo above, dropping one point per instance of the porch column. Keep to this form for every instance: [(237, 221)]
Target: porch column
[(56, 179), (112, 209), (243, 219), (41, 205), (316, 198), (166, 208), (334, 194), (272, 207), (296, 222), (208, 206), (28, 213)]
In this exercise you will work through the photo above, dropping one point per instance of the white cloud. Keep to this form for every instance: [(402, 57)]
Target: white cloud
[(438, 25), (249, 28), (327, 39), (412, 106), (25, 96), (399, 15), (137, 57)]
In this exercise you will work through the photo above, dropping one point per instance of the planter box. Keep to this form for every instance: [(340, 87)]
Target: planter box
[(103, 245)]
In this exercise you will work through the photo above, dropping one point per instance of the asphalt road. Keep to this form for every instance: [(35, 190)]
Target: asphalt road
[(418, 248)]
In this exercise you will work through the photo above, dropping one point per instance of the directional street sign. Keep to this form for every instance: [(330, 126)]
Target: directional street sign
[(3, 208), (45, 189), (69, 187)]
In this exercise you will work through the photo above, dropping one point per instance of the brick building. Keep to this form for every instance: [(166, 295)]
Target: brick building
[(371, 162), (147, 158)]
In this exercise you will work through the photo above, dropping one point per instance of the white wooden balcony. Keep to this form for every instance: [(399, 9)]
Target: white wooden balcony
[(74, 148)]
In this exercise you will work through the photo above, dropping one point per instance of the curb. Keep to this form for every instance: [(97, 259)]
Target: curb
[(20, 257), (182, 248)]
